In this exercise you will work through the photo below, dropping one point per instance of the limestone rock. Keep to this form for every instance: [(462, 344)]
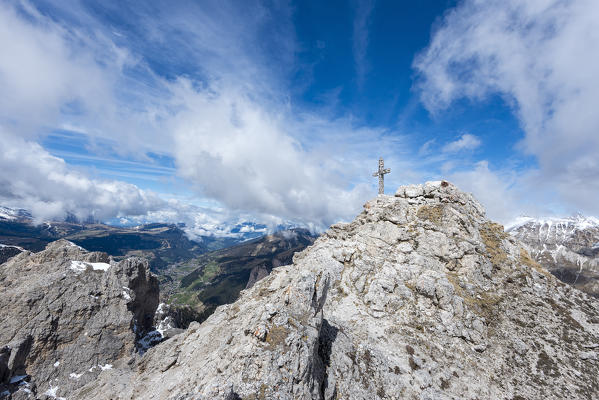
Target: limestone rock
[(66, 315), (420, 297)]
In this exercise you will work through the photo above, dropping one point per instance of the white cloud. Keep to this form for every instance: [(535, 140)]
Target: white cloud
[(426, 148), (542, 57), (363, 10), (230, 134), (491, 189), (37, 181), (47, 70), (465, 142), (506, 194), (235, 151)]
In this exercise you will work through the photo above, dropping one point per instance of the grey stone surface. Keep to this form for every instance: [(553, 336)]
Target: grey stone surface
[(67, 314), (420, 297)]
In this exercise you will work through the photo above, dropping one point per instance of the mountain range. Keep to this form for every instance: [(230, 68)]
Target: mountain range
[(162, 244), (567, 247), (195, 276)]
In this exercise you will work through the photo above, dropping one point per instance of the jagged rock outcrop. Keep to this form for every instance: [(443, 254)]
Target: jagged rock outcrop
[(421, 297), (567, 247), (66, 315)]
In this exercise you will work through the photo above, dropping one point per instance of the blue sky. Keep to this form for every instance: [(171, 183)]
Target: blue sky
[(212, 112)]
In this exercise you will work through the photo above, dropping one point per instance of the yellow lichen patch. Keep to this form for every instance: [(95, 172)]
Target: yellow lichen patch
[(276, 335), (410, 286), (492, 235), (526, 260), (453, 279), (483, 304), (342, 292), (431, 213), (261, 395)]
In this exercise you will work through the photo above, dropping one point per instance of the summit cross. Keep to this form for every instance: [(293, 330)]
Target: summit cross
[(381, 174)]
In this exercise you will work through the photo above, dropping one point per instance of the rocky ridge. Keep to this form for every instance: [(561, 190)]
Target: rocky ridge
[(421, 297), (68, 314), (567, 247)]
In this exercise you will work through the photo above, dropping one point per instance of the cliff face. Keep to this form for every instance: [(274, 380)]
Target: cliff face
[(66, 315), (420, 297)]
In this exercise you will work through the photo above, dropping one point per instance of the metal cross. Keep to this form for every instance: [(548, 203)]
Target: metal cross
[(381, 174)]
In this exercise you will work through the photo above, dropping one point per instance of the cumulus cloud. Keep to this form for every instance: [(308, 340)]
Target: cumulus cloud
[(465, 142), (37, 181), (46, 186), (542, 57), (230, 133), (47, 71), (236, 152), (493, 190)]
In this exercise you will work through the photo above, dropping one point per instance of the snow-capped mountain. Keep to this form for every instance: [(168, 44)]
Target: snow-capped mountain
[(568, 247), (13, 214)]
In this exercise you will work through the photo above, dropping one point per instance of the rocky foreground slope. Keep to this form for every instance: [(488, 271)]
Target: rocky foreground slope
[(421, 297), (66, 315), (567, 247)]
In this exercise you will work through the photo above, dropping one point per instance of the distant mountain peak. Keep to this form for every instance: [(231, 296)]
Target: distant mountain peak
[(13, 214), (576, 221), (566, 246)]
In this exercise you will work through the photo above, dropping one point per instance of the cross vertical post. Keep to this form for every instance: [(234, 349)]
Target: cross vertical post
[(381, 174)]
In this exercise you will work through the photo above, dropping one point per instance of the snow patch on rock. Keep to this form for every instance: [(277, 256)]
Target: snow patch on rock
[(52, 392), (80, 266)]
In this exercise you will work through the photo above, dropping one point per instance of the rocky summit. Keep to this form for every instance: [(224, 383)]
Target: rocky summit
[(420, 297), (67, 315)]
